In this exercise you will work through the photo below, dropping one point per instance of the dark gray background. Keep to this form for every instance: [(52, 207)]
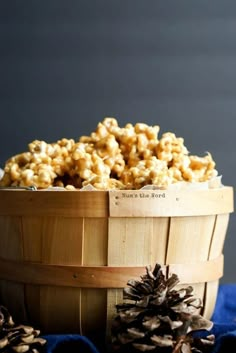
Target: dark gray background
[(65, 65)]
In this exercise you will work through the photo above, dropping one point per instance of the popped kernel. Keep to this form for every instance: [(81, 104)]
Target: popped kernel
[(112, 157)]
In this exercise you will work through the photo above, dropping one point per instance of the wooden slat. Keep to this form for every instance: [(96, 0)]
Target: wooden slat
[(93, 301), (60, 309), (215, 250), (62, 239), (189, 239), (62, 243), (159, 242), (129, 244), (69, 276), (95, 203), (130, 241), (102, 276), (189, 243), (12, 294), (95, 242), (50, 203), (219, 235), (171, 203), (203, 271), (32, 249)]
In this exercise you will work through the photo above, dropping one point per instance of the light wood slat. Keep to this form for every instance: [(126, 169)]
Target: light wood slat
[(215, 250), (170, 203), (218, 238), (11, 246), (68, 276), (50, 203), (62, 243), (128, 242), (93, 301), (189, 243), (159, 242), (211, 292), (32, 229), (203, 271), (32, 248), (95, 203), (95, 242), (58, 235), (134, 241), (102, 276), (189, 239)]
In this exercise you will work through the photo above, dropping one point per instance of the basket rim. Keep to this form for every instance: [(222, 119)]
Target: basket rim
[(118, 203)]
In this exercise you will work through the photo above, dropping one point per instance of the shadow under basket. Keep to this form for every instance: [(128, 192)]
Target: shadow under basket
[(65, 256)]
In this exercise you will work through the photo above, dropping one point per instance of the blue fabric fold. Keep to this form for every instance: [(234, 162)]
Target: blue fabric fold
[(224, 329), (224, 319), (69, 343)]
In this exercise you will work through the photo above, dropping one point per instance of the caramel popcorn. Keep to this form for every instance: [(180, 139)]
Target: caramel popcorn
[(112, 157)]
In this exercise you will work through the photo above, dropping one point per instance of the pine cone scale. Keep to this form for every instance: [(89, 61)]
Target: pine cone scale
[(159, 318), (18, 338)]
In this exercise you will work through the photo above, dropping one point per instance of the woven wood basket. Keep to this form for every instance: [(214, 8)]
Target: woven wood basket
[(65, 256)]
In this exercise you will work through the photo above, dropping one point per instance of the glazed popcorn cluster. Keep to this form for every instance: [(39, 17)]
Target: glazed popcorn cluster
[(112, 157)]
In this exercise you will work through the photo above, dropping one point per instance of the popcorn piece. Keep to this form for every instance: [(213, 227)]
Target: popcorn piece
[(112, 157), (1, 173)]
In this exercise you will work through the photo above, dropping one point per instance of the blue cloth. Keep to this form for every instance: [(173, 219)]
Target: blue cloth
[(224, 329), (69, 344), (224, 319)]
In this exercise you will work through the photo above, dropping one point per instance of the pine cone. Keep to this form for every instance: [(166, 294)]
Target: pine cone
[(158, 318), (18, 338)]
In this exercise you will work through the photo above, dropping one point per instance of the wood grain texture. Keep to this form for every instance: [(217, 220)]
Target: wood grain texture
[(129, 244), (11, 247), (102, 276), (66, 247), (120, 204), (189, 242), (54, 203), (170, 203), (93, 301), (215, 249)]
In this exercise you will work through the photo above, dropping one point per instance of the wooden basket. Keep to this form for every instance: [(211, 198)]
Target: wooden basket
[(66, 255)]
